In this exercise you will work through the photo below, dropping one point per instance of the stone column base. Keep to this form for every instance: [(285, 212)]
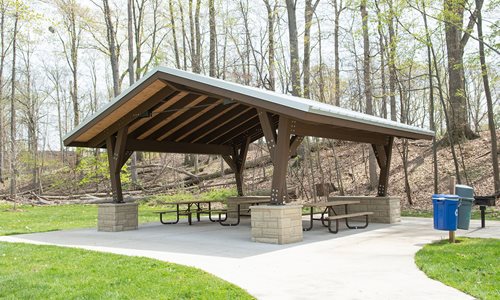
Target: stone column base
[(276, 224), (385, 209), (117, 217)]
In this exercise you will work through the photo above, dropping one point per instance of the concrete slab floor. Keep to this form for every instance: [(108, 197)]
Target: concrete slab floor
[(372, 263)]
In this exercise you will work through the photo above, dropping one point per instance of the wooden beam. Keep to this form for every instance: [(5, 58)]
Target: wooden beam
[(227, 134), (278, 189), (294, 144), (205, 120), (221, 124), (383, 155), (331, 132), (177, 121), (117, 157), (171, 117), (269, 130), (175, 147), (130, 117), (238, 135), (189, 120), (230, 162), (162, 107), (239, 158), (226, 125)]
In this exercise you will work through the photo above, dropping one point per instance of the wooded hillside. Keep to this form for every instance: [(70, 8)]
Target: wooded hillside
[(424, 63)]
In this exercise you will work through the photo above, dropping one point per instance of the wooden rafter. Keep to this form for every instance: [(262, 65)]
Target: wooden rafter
[(215, 127), (193, 103), (204, 121), (162, 107), (131, 116), (237, 130), (189, 120)]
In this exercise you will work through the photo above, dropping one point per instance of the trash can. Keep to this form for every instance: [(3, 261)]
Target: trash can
[(466, 194), (445, 211)]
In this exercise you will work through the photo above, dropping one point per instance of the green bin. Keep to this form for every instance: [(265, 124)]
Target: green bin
[(465, 207)]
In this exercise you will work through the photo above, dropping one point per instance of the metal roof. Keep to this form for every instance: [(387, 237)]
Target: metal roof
[(179, 102)]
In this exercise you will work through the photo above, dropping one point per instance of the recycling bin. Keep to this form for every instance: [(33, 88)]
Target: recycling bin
[(466, 194), (445, 211)]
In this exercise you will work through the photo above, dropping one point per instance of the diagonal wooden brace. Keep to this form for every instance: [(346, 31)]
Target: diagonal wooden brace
[(383, 153), (117, 156)]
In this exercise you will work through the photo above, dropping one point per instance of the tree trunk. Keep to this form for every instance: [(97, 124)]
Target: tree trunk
[(213, 38), (13, 166), (392, 64), (271, 17), (306, 64), (382, 62), (453, 12), (337, 10), (489, 100), (2, 62), (294, 48), (432, 124), (113, 53), (368, 88), (131, 76), (174, 36)]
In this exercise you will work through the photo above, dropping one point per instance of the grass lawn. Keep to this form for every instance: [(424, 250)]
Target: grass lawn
[(50, 272), (29, 219), (472, 265)]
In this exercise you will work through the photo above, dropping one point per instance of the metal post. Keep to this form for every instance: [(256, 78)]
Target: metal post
[(451, 234)]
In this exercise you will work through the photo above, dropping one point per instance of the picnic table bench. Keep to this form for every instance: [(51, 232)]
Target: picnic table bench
[(330, 216)]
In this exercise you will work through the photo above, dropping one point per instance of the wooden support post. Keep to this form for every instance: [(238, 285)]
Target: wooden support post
[(117, 156), (236, 162), (453, 181), (383, 155), (278, 192)]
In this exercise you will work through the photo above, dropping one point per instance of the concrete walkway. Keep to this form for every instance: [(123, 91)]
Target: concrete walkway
[(372, 263)]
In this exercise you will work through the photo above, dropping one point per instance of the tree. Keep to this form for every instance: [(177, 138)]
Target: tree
[(368, 85), (70, 38), (13, 129), (130, 39), (310, 8), (294, 47), (213, 39), (272, 12), (113, 52), (3, 54), (174, 36), (489, 100), (456, 40), (338, 8)]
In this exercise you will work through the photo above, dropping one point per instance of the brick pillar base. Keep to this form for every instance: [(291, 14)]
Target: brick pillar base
[(277, 224), (385, 209), (117, 217)]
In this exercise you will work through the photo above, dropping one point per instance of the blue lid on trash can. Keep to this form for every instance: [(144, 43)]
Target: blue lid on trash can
[(445, 197)]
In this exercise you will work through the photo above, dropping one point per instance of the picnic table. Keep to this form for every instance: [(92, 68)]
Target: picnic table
[(199, 207), (188, 208), (329, 215), (242, 204)]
